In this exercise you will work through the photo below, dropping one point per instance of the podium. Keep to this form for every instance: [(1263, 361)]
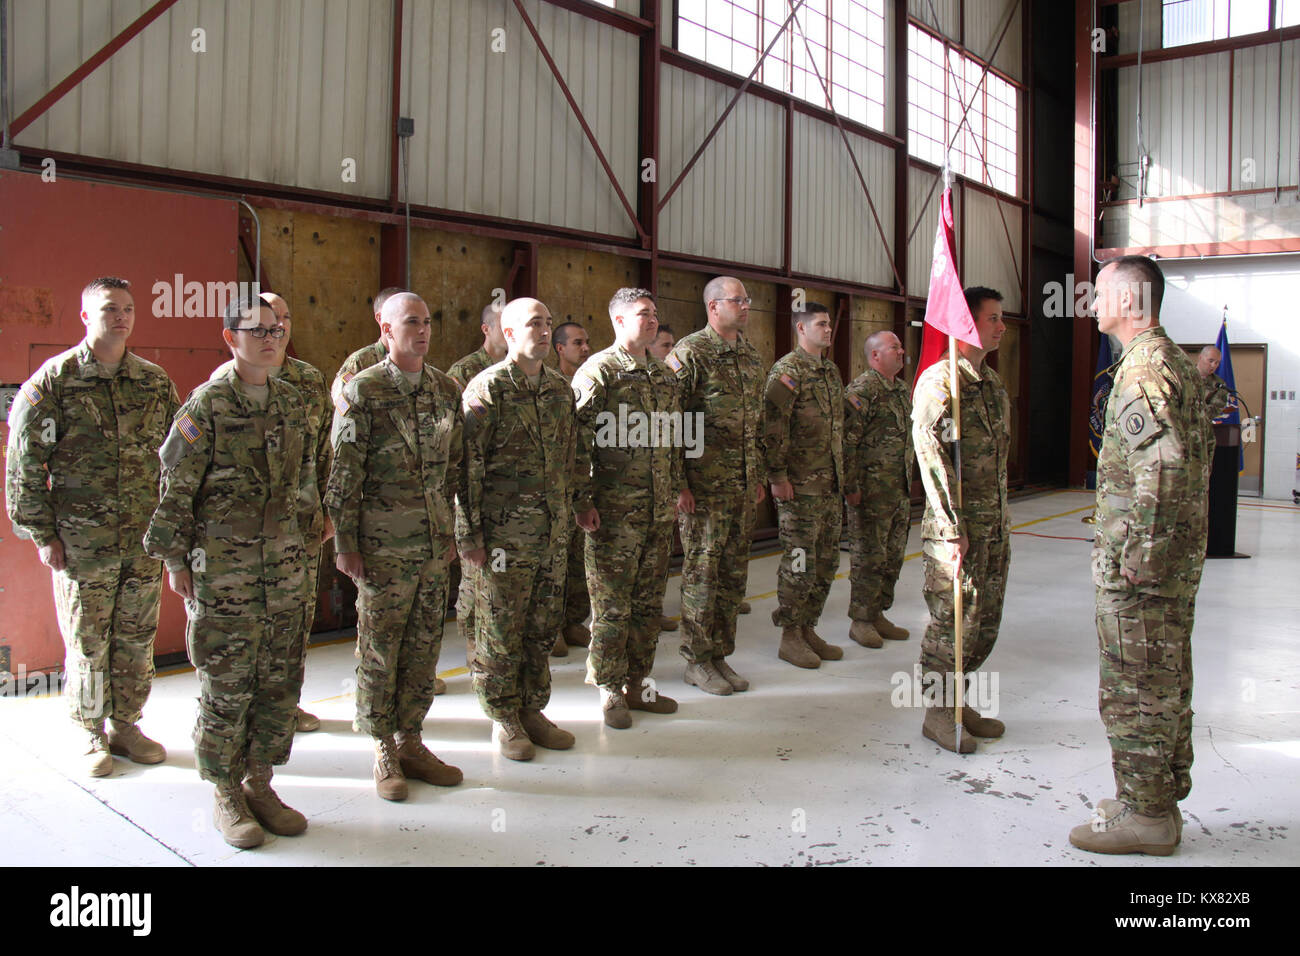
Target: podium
[(1222, 541)]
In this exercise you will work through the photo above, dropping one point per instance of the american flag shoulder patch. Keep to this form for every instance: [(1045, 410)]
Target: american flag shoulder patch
[(853, 400), (32, 393), (789, 382), (673, 362), (341, 404), (476, 407), (188, 429), (347, 377)]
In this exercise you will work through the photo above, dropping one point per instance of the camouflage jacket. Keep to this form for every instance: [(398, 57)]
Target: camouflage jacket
[(397, 462), (519, 454), (1151, 472), (878, 454), (466, 368), (724, 381), (803, 424), (83, 453), (630, 442), (985, 445), (238, 498), (360, 360), (1217, 397), (310, 383)]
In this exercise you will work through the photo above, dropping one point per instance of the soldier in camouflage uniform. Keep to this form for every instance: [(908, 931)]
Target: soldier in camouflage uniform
[(239, 499), (492, 350), (571, 350), (803, 429), (627, 477), (973, 540), (878, 461), (664, 341), (720, 376), (1151, 526), (310, 383), (1217, 397), (397, 455), (513, 521), (81, 481)]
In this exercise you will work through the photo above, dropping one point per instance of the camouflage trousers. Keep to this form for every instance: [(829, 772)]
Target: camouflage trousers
[(518, 609), (627, 558), (577, 599), (250, 677), (983, 587), (878, 542), (1145, 695), (810, 528), (108, 615), (715, 567), (465, 597), (400, 606)]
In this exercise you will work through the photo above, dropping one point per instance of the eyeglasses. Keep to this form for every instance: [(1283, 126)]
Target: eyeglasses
[(261, 331), (738, 300)]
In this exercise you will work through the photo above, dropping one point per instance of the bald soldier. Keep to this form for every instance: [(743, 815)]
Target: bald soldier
[(81, 482), (513, 521), (878, 459), (719, 376), (397, 457), (572, 348), (1218, 399), (310, 383)]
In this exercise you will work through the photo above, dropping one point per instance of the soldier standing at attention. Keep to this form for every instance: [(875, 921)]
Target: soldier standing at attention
[(803, 427), (397, 455), (626, 500), (571, 350), (81, 482), (719, 375), (367, 355), (1146, 565), (1217, 397), (878, 459), (972, 541), (513, 521), (310, 383), (664, 341), (238, 499)]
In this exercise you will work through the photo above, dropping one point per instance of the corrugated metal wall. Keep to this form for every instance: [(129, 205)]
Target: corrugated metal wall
[(284, 92), (494, 134), (833, 232), (1256, 132), (729, 206), (920, 250), (989, 257), (1128, 22)]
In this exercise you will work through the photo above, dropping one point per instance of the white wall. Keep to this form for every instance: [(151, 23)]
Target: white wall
[(1261, 293)]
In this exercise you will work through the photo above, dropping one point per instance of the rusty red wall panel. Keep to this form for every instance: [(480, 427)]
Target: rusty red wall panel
[(54, 238)]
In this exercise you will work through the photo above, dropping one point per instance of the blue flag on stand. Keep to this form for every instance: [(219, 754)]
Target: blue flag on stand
[(1101, 385), (1230, 415)]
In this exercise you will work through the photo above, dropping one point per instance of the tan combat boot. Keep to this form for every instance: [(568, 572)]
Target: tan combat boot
[(306, 722), (738, 683), (390, 782), (234, 820), (705, 676), (794, 651), (667, 624), (978, 726), (577, 635), (126, 740), (643, 696), (270, 810), (743, 608), (512, 739), (99, 759), (614, 706), (544, 733), (1118, 828), (865, 634), (940, 725), (418, 762), (560, 649), (888, 630), (439, 687), (827, 652)]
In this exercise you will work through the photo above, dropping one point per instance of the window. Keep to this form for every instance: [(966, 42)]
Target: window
[(940, 82), (846, 39), (1198, 21)]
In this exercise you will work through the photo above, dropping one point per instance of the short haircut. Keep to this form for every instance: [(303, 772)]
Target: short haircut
[(809, 308), (876, 340), (715, 288), (104, 283), (665, 328), (1142, 270), (383, 295), (239, 309), (977, 295), (626, 296), (1211, 348), (560, 335), (490, 316)]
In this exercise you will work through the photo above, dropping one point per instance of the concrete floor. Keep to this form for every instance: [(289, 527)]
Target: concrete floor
[(808, 767)]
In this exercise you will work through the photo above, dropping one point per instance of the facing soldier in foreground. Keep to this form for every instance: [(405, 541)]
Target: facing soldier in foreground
[(803, 417), (878, 461), (397, 455), (720, 376), (81, 483), (1147, 559), (513, 521), (627, 476), (972, 541), (571, 350), (238, 498)]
